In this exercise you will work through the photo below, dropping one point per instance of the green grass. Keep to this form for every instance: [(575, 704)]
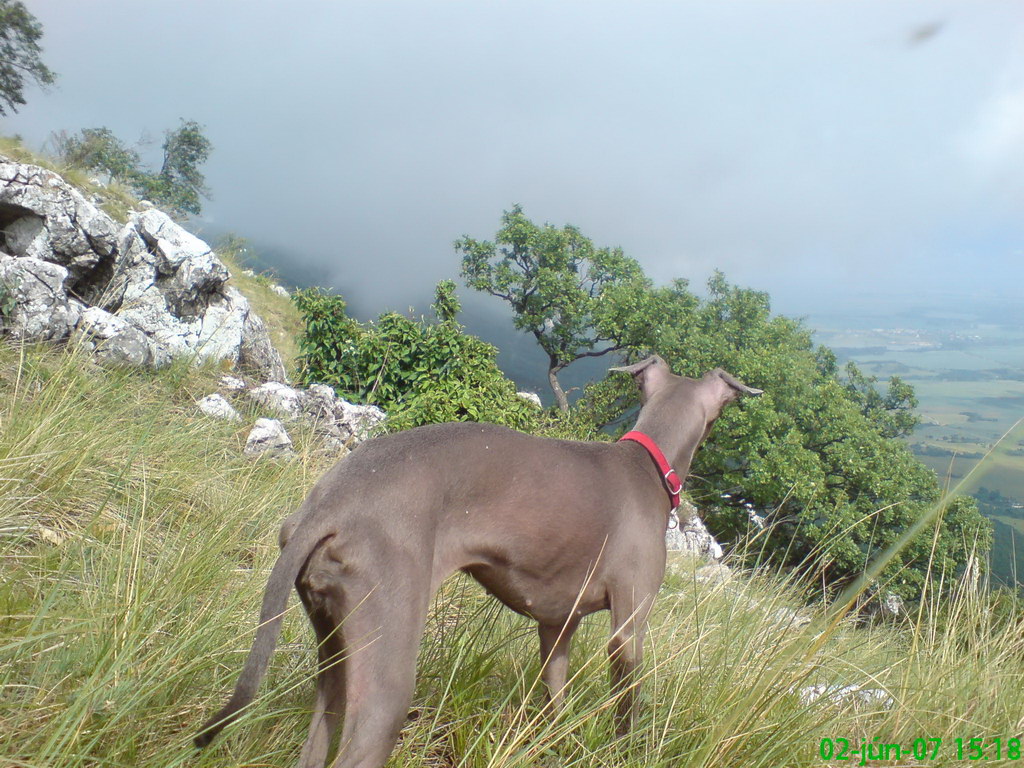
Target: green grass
[(135, 543)]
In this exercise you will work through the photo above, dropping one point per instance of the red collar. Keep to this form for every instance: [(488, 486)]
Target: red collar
[(672, 482)]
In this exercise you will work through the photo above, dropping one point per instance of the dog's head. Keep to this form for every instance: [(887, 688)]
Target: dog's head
[(704, 397)]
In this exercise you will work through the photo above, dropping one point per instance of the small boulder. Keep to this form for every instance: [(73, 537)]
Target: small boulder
[(232, 383), (112, 340), (360, 420), (338, 421), (218, 407), (268, 438), (33, 303), (278, 397), (859, 696), (172, 244), (531, 397), (256, 352)]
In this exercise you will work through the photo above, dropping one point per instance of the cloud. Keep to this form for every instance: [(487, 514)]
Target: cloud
[(798, 146)]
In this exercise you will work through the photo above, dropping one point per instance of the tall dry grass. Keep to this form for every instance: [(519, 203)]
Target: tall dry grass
[(135, 542)]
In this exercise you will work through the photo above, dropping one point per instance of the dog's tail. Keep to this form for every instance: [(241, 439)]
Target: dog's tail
[(293, 557)]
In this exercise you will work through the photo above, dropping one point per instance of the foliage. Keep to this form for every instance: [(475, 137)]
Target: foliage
[(817, 454), (98, 149), (20, 33), (576, 299), (177, 186), (417, 371), (8, 297), (179, 183), (892, 411)]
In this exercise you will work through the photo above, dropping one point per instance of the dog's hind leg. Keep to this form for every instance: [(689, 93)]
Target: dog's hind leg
[(330, 680), (382, 632)]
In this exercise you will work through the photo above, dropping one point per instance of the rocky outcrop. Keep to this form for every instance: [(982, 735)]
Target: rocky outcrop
[(690, 537), (144, 293)]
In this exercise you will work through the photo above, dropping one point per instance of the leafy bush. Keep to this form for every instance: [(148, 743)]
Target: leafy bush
[(419, 372)]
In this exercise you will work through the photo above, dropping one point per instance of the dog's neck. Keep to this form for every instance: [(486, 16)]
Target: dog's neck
[(678, 441)]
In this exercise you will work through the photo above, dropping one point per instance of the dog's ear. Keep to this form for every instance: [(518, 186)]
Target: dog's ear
[(734, 387), (650, 375)]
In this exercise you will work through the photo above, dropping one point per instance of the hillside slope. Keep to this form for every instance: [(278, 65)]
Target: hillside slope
[(135, 541)]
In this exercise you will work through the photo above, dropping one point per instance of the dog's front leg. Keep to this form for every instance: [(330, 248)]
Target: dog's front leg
[(555, 640), (625, 652)]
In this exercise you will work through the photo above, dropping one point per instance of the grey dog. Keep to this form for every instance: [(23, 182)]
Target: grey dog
[(555, 529)]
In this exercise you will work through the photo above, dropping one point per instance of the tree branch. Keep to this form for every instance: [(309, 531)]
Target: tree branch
[(601, 351)]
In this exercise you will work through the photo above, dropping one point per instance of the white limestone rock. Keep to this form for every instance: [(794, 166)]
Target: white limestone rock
[(34, 305), (218, 407), (691, 537), (172, 245), (232, 383), (51, 220), (339, 423), (159, 279), (361, 420), (112, 339), (268, 438), (256, 353), (860, 697), (531, 397), (279, 398)]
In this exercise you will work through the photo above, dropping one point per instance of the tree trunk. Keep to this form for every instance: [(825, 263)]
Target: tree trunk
[(560, 396)]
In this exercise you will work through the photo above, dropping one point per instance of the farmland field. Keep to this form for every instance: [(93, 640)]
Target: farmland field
[(967, 369)]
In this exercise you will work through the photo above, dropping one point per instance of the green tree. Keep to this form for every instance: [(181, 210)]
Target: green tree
[(20, 33), (185, 149), (892, 411), (178, 186), (576, 299), (818, 455)]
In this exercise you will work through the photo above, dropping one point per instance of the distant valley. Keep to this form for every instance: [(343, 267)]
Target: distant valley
[(965, 359)]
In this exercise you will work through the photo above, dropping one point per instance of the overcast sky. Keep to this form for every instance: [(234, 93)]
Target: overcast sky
[(811, 149)]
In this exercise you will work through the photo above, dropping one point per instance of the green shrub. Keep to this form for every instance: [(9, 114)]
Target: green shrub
[(420, 372)]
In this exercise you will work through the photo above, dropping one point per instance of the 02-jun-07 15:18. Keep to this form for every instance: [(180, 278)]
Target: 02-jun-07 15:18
[(922, 749)]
